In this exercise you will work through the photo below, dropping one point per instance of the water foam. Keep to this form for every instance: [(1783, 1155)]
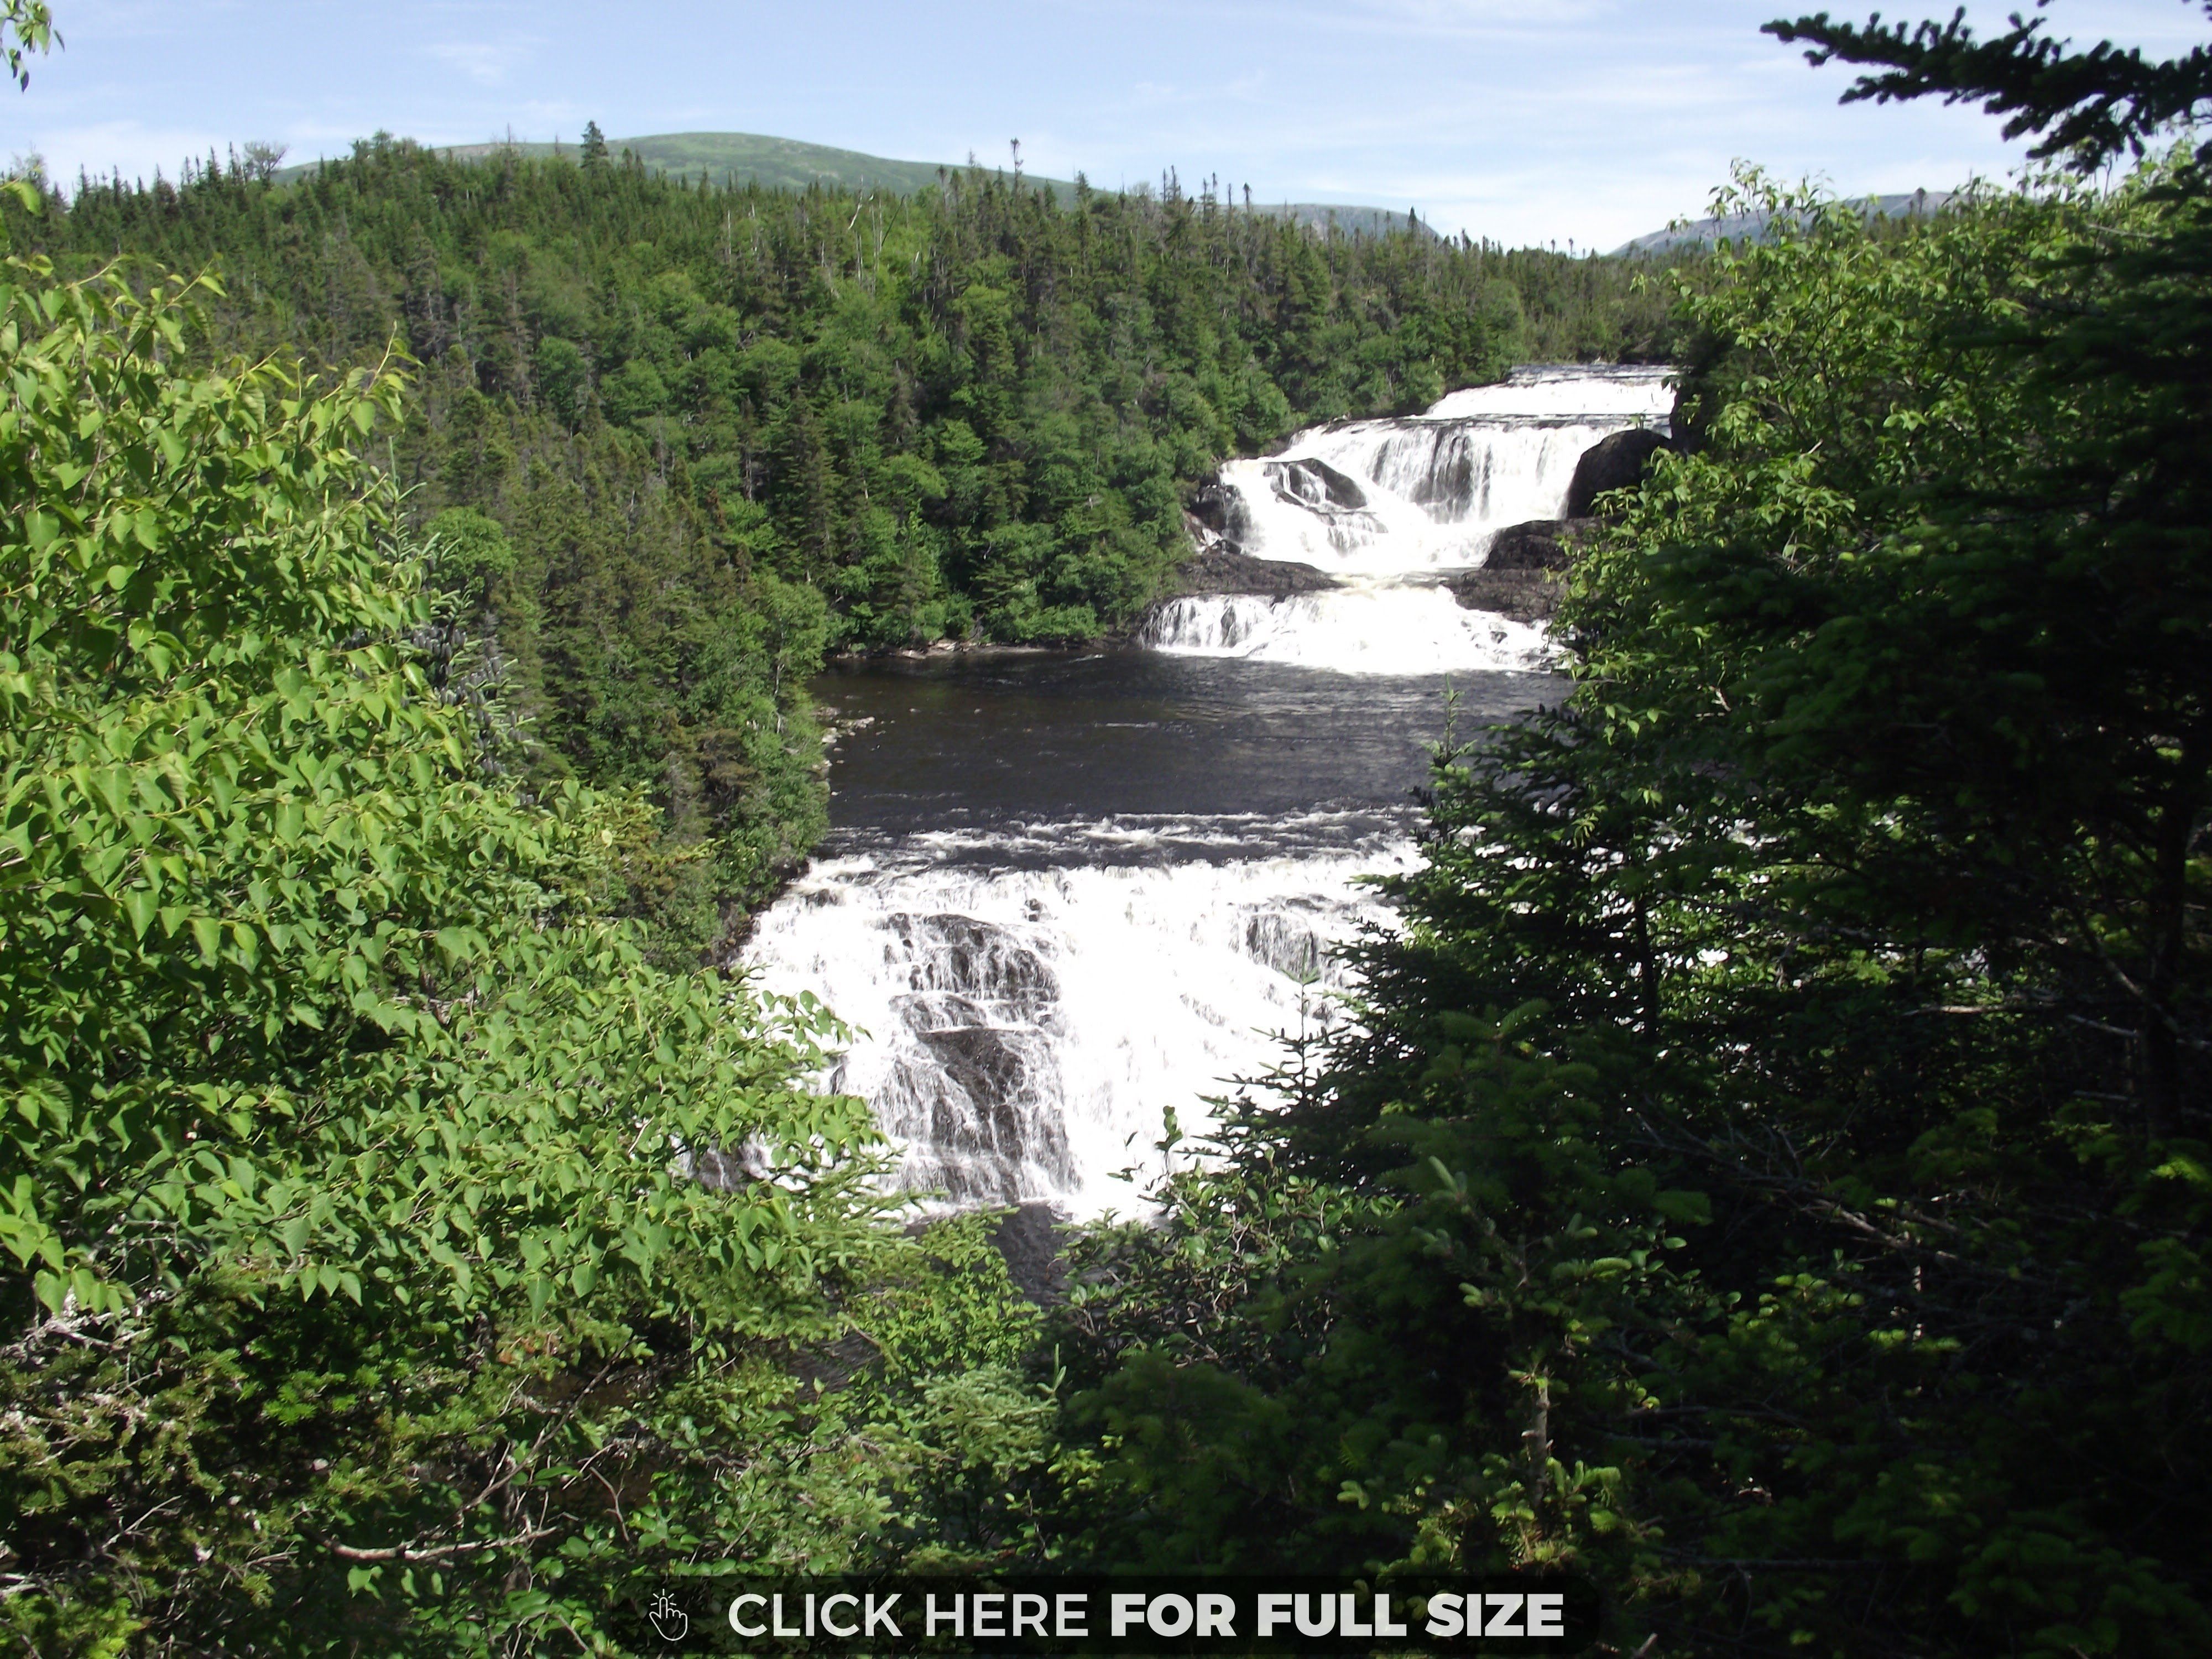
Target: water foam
[(1642, 392), (1369, 630), (1025, 1028)]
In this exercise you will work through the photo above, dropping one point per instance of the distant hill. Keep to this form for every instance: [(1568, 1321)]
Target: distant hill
[(742, 158), (1365, 220), (1705, 233)]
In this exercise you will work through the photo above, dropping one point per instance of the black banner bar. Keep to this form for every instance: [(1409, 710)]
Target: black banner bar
[(1137, 1613)]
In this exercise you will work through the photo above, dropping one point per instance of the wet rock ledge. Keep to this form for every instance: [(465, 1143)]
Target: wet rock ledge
[(1525, 571), (1222, 566)]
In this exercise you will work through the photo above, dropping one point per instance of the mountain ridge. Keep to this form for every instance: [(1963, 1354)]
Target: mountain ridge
[(1706, 232), (794, 164)]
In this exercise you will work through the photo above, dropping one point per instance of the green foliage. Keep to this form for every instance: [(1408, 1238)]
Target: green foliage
[(473, 553), (28, 27), (357, 1296), (955, 1339)]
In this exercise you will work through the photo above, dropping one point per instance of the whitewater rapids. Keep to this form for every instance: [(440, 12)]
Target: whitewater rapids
[(1027, 1022), (1373, 628)]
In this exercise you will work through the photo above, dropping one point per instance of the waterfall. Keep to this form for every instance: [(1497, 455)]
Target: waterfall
[(1389, 506), (1035, 973), (1635, 394), (1368, 629), (1400, 497), (1031, 999)]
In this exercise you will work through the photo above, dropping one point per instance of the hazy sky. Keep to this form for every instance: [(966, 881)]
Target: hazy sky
[(1522, 120)]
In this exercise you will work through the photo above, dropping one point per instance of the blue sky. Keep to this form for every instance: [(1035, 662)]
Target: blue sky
[(1522, 120)]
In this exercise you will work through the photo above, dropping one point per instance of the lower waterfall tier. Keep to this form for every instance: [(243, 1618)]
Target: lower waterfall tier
[(1025, 1029)]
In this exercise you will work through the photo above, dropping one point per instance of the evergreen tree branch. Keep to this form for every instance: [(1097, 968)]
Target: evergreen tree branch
[(2089, 106)]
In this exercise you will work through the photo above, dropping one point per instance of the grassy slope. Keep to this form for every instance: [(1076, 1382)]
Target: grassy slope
[(751, 157)]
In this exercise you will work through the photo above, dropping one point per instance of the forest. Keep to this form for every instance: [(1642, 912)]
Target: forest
[(674, 442), (1770, 1177)]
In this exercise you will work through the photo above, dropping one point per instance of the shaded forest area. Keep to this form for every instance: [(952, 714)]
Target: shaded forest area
[(677, 441)]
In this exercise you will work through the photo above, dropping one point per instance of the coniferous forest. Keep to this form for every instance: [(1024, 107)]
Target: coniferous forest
[(1771, 1176)]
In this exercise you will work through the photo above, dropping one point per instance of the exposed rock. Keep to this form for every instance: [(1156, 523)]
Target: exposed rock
[(1524, 570), (1686, 424), (1528, 596), (1538, 545), (1223, 567), (990, 1067), (1218, 509), (1308, 482), (961, 964), (729, 1169), (1284, 941), (1616, 462), (1028, 1238), (979, 1093)]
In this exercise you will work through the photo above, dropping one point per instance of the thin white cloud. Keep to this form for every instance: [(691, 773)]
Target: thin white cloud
[(487, 63), (1522, 120)]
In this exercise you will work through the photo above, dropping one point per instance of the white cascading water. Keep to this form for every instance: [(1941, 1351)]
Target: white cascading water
[(1637, 393), (1372, 629), (1387, 506), (1025, 1027)]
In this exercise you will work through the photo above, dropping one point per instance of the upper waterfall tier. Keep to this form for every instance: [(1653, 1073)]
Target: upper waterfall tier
[(1641, 394), (1396, 497)]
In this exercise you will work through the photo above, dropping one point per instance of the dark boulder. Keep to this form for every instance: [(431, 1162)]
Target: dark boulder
[(1539, 545), (1029, 1238), (1312, 483), (1226, 567), (990, 1065), (1616, 462), (1528, 596)]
